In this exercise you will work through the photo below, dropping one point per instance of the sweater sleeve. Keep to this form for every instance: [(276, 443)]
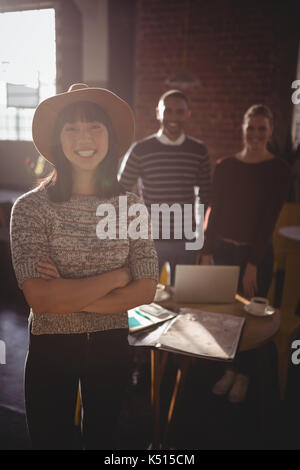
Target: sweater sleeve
[(143, 259), (204, 180), (129, 171), (212, 214), (28, 237), (281, 181)]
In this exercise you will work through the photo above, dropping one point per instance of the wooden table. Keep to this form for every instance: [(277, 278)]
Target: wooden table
[(257, 332)]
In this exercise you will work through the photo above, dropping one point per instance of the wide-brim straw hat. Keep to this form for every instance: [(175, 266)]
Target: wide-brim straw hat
[(118, 111)]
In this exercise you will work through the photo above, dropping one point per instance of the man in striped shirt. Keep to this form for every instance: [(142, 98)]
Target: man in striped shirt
[(171, 168)]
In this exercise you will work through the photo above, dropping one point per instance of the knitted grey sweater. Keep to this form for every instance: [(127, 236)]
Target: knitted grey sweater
[(66, 232)]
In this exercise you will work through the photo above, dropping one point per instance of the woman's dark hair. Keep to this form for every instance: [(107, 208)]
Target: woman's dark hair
[(59, 182)]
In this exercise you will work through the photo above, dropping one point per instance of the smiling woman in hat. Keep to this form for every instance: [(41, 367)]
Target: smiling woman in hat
[(78, 286)]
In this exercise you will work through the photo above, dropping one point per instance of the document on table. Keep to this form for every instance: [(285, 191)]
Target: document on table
[(195, 333), (148, 337), (147, 316), (205, 334)]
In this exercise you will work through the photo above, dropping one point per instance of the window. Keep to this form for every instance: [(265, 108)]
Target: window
[(27, 68)]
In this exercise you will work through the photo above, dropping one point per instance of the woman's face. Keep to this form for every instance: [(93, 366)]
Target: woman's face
[(85, 144), (257, 132)]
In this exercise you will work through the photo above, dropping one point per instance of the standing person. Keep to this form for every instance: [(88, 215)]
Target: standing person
[(171, 166), (248, 192), (79, 286)]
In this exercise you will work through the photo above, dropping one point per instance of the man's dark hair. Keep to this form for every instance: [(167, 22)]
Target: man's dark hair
[(174, 94)]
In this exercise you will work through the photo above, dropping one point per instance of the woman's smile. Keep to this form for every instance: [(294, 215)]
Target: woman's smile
[(257, 132), (85, 144), (86, 153)]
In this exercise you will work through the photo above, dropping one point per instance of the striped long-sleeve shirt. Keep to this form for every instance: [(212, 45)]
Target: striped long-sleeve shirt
[(168, 173)]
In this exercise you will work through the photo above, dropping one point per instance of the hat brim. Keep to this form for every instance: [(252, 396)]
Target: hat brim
[(119, 112)]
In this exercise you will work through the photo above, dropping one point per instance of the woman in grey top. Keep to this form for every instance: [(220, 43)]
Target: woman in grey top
[(78, 278)]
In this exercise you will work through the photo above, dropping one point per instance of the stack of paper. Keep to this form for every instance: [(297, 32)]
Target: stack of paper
[(196, 333), (146, 316), (207, 334)]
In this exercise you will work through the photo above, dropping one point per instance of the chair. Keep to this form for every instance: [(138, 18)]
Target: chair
[(290, 322), (165, 275), (289, 215), (78, 408)]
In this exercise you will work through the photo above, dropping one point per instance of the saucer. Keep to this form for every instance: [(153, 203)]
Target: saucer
[(268, 311)]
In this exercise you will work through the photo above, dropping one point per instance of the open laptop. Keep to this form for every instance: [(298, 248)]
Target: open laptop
[(206, 284)]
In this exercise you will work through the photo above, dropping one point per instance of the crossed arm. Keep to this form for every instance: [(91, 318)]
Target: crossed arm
[(111, 292)]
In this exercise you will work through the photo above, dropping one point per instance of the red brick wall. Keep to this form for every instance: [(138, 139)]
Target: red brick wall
[(241, 54)]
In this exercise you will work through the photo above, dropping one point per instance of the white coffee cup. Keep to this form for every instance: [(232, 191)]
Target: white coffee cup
[(258, 305)]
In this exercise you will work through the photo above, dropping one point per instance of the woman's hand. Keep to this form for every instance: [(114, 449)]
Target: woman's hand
[(123, 276), (61, 295), (138, 292), (206, 260), (47, 269), (250, 280)]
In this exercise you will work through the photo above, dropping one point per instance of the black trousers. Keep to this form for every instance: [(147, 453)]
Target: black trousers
[(226, 253), (54, 366)]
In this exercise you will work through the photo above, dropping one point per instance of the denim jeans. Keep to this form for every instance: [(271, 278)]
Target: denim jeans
[(54, 366)]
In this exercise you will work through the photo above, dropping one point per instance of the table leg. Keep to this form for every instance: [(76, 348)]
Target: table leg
[(181, 375), (155, 396)]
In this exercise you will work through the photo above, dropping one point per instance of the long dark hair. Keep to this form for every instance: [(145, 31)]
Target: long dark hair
[(59, 182)]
